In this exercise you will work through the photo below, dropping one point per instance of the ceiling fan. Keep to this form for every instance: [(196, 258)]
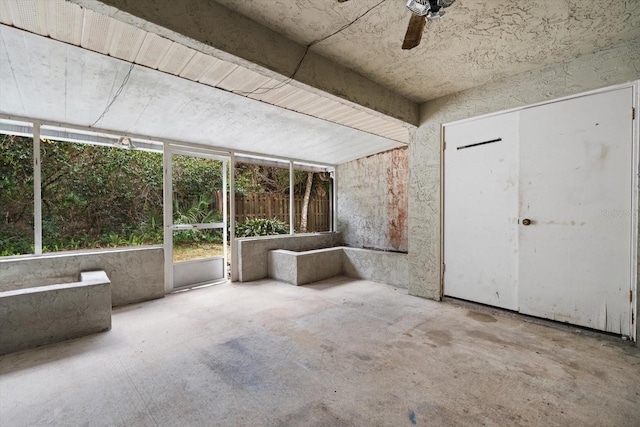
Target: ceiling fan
[(421, 11)]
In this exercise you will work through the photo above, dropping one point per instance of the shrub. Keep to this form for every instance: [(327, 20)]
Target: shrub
[(261, 227)]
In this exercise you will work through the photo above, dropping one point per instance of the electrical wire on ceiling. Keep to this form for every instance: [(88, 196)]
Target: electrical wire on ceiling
[(262, 90), (116, 95)]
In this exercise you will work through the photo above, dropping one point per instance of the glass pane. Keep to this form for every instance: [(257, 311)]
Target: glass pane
[(197, 190), (194, 244), (312, 201), (16, 195), (261, 200), (99, 197)]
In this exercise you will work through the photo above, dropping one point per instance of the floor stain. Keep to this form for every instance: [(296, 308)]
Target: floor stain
[(237, 362), (481, 317), (314, 414), (486, 336), (362, 357), (439, 337)]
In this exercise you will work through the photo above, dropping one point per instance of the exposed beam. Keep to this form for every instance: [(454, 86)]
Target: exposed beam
[(212, 28)]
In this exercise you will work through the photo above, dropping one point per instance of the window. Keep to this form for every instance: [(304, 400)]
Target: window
[(91, 194), (99, 196), (261, 199), (16, 195), (263, 189), (88, 190), (312, 201)]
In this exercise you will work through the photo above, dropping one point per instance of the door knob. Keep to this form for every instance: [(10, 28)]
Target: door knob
[(526, 221)]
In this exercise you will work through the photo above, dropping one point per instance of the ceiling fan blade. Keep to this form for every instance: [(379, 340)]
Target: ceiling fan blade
[(414, 31), (342, 1)]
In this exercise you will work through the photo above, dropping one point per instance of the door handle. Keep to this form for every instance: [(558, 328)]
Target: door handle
[(526, 222)]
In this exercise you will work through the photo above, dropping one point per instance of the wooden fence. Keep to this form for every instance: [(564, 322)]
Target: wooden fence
[(271, 206)]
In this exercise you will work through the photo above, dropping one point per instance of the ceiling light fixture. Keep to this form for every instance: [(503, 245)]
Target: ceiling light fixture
[(428, 8), (419, 7), (125, 142)]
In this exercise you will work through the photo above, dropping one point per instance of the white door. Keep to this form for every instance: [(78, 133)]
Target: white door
[(481, 211), (576, 176), (195, 217), (540, 219)]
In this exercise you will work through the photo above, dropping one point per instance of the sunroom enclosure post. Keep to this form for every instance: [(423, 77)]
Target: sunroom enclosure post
[(167, 201), (291, 201), (232, 218), (37, 191)]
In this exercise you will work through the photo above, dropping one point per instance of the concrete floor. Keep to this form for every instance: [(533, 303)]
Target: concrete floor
[(342, 352)]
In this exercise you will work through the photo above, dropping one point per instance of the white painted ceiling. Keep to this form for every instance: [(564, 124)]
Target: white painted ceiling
[(344, 131), (476, 42), (46, 79)]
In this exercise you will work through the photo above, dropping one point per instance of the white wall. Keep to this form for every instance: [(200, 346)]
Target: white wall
[(618, 64)]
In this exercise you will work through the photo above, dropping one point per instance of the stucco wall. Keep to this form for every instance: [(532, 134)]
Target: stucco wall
[(373, 201), (607, 67)]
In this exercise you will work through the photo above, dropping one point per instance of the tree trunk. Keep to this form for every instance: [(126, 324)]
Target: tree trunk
[(305, 203)]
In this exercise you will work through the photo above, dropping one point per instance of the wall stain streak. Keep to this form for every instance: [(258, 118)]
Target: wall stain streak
[(373, 201), (397, 200)]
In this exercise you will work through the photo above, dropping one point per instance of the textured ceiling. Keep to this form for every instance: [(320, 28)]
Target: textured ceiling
[(478, 41)]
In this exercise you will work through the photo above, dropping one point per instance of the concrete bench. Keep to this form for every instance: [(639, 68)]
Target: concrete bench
[(300, 268), (31, 317)]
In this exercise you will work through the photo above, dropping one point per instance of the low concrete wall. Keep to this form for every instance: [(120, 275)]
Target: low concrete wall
[(136, 274), (299, 268), (253, 251), (30, 317), (378, 266)]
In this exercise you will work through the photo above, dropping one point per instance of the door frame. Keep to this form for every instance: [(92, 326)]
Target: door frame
[(169, 150), (635, 86)]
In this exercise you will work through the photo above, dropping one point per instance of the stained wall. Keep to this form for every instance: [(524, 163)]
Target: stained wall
[(373, 197)]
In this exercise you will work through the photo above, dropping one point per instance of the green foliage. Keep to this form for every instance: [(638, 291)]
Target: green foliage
[(261, 227), (16, 195), (95, 196), (197, 212), (98, 197)]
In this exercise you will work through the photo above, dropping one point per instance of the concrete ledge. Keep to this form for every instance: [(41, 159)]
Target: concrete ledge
[(41, 315), (136, 273), (252, 255), (299, 268)]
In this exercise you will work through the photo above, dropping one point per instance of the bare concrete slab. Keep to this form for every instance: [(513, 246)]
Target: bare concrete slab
[(339, 353)]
